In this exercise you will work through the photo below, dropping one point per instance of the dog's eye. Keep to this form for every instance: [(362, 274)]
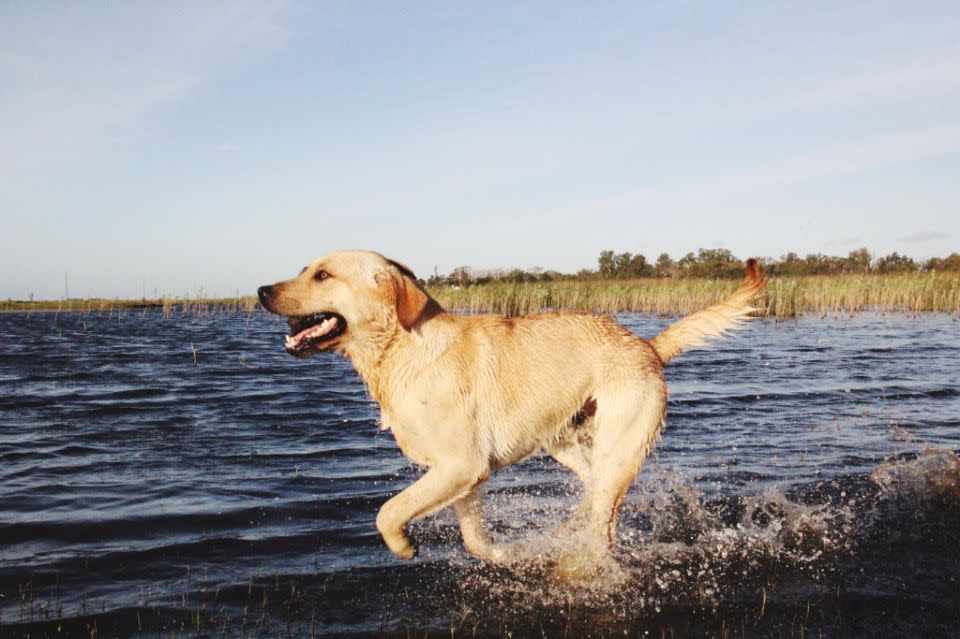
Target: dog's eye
[(321, 275)]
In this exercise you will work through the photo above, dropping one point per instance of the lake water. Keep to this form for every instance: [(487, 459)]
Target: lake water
[(807, 484)]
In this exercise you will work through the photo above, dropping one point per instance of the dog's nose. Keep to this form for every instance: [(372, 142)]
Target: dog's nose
[(265, 293)]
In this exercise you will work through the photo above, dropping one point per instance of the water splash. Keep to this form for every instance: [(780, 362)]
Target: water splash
[(684, 555), (932, 477)]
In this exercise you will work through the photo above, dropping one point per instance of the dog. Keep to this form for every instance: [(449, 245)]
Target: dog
[(466, 395)]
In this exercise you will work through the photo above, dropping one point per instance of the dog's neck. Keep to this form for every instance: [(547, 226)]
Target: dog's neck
[(367, 354), (403, 347)]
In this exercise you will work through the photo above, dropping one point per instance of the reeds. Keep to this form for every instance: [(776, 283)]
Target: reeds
[(168, 305), (784, 297), (822, 295)]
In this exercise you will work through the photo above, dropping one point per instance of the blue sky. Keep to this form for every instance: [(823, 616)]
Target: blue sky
[(174, 148)]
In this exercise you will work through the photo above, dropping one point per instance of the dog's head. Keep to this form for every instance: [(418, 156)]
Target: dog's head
[(345, 296)]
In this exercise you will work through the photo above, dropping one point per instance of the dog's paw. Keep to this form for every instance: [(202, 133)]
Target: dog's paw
[(408, 552), (399, 544), (402, 548), (498, 554), (484, 550), (493, 554), (576, 567)]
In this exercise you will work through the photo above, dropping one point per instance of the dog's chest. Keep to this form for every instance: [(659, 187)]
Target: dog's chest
[(426, 429), (413, 435)]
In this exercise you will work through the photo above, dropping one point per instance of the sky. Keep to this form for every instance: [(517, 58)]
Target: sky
[(191, 148)]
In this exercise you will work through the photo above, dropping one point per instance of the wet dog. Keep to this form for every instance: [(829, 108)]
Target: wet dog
[(466, 395)]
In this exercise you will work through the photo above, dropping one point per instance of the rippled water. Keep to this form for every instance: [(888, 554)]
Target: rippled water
[(807, 482)]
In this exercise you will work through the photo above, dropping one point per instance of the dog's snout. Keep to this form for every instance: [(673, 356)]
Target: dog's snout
[(265, 293)]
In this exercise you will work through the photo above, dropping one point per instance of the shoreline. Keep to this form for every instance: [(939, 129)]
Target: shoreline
[(784, 297)]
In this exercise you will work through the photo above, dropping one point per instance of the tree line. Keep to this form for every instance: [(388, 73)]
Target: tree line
[(709, 263)]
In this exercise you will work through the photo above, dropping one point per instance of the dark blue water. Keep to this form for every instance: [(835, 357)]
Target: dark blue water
[(807, 483)]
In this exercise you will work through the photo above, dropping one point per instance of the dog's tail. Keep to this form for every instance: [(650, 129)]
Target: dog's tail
[(712, 322)]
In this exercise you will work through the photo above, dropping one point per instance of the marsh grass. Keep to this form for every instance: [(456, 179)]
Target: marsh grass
[(784, 297), (823, 295), (170, 307)]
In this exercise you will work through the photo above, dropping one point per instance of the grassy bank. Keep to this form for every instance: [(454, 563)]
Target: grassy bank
[(785, 297)]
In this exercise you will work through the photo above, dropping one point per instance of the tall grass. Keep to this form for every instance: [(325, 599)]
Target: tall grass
[(822, 295), (784, 297), (168, 306)]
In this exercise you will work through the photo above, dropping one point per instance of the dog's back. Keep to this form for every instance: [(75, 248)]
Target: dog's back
[(529, 377)]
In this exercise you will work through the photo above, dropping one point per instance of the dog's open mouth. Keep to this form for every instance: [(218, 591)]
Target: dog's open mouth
[(308, 332)]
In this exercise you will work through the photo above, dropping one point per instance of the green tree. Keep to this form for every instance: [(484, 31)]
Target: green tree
[(621, 264), (664, 265), (717, 263), (687, 263), (948, 263), (605, 264), (790, 264), (638, 267), (895, 263), (460, 276), (858, 261)]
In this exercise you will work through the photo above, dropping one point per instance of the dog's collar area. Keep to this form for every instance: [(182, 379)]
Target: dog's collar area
[(309, 331)]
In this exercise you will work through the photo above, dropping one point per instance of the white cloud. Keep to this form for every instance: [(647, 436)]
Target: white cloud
[(924, 236), (769, 91), (826, 162), (932, 75)]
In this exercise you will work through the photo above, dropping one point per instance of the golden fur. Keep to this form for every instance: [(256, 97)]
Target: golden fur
[(465, 396)]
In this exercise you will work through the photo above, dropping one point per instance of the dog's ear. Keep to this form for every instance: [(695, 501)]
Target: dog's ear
[(411, 299)]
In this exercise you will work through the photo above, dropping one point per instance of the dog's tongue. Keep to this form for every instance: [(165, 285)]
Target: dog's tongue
[(321, 329)]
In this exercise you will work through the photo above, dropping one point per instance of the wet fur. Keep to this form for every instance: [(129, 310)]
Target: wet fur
[(465, 396)]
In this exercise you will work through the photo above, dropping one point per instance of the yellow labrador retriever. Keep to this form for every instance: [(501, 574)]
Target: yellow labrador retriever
[(465, 396)]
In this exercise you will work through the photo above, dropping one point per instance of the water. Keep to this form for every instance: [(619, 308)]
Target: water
[(807, 484)]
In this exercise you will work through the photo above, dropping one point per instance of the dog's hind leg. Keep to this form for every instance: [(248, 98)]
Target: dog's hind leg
[(437, 488), (628, 422), (469, 511), (575, 457)]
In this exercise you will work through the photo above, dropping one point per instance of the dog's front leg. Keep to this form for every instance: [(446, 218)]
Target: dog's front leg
[(437, 488)]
